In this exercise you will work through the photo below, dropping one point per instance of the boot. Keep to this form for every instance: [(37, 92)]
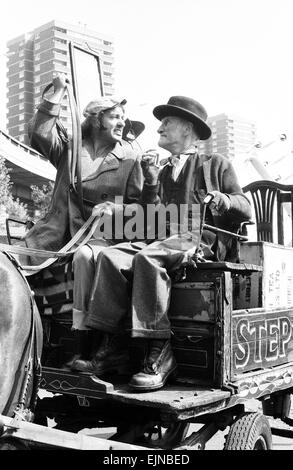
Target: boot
[(84, 339), (159, 364), (111, 356)]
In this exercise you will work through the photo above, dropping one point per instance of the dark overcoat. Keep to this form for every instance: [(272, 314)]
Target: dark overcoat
[(119, 174)]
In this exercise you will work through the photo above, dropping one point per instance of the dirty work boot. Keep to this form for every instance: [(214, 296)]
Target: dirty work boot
[(111, 356), (159, 364), (84, 340), (88, 341)]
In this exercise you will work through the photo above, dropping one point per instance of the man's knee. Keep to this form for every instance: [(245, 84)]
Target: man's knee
[(83, 262), (83, 255)]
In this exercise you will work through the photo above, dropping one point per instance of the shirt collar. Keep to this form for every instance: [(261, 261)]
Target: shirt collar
[(190, 150)]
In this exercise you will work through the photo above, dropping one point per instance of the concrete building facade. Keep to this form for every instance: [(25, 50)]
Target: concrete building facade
[(34, 57), (231, 136)]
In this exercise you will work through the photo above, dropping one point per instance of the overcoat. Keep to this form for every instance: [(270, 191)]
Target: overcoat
[(203, 174), (119, 174)]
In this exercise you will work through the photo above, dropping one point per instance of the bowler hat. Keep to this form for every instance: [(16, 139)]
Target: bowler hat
[(186, 108)]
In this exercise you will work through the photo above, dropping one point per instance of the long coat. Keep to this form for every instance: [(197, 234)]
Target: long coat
[(120, 174), (202, 174)]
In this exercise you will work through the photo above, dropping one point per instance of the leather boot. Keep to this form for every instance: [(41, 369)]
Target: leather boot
[(158, 365), (111, 356), (84, 339)]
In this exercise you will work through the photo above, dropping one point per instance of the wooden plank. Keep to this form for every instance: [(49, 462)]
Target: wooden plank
[(227, 266), (61, 439), (226, 329), (256, 384), (173, 396), (261, 339)]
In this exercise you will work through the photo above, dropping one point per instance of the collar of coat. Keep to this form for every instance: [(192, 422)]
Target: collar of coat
[(119, 150)]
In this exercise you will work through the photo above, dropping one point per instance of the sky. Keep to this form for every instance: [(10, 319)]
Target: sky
[(233, 56)]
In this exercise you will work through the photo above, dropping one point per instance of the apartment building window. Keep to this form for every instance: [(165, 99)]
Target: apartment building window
[(21, 96), (21, 128), (61, 30), (64, 108), (21, 117), (21, 85), (60, 62), (21, 63), (21, 106), (21, 53), (107, 43), (107, 53), (21, 74), (61, 51), (37, 36), (37, 67), (37, 79), (37, 57), (107, 74), (37, 46), (107, 84), (107, 63), (61, 41), (37, 89)]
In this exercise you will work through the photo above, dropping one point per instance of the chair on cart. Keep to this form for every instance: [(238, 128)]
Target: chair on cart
[(269, 199)]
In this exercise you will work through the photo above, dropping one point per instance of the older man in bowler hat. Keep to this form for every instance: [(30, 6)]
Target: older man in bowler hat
[(135, 277)]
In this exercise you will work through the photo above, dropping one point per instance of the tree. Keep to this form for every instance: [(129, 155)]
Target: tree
[(42, 198), (8, 205)]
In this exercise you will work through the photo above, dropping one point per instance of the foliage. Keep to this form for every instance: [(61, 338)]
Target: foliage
[(8, 205), (42, 198)]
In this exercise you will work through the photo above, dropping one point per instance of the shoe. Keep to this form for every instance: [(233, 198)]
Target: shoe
[(111, 356), (158, 366), (84, 340)]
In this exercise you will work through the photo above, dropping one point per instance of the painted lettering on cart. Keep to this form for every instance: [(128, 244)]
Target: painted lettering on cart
[(261, 340)]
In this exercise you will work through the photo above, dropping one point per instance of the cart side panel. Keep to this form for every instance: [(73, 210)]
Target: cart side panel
[(273, 288), (196, 314), (261, 339)]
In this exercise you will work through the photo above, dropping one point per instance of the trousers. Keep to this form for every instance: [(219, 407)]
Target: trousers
[(132, 288), (84, 262)]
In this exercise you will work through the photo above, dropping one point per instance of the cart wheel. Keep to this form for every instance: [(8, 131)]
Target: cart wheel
[(251, 431), (12, 443)]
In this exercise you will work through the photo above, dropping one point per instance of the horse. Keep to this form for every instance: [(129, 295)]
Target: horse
[(20, 341)]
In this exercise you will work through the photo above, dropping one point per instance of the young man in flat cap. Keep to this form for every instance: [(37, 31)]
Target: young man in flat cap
[(134, 278), (109, 167)]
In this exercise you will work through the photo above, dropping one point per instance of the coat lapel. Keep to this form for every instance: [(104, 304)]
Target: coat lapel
[(111, 162), (207, 174)]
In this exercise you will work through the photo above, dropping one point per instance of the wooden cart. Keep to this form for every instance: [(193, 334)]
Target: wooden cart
[(232, 338)]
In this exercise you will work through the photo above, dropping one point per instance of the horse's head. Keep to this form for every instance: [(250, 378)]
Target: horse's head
[(15, 329)]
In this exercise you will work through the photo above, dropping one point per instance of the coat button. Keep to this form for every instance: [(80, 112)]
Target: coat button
[(104, 196)]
